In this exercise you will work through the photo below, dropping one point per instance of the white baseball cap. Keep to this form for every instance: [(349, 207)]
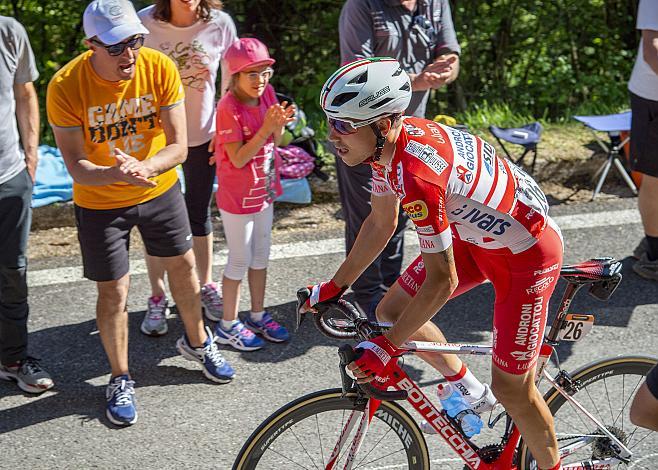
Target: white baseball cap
[(112, 21)]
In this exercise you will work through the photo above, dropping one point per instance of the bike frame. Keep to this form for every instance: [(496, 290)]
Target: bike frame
[(448, 429)]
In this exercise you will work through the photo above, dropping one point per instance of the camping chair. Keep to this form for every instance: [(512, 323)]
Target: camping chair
[(526, 136), (613, 125)]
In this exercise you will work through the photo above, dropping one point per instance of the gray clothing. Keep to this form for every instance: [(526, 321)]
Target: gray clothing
[(384, 28), (15, 218), (17, 66)]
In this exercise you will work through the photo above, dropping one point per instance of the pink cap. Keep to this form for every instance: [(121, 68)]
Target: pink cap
[(245, 53)]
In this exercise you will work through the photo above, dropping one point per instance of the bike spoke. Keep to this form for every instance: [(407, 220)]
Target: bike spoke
[(373, 447), (383, 457), (304, 448), (598, 413), (607, 394), (630, 397), (289, 459), (317, 426), (649, 432)]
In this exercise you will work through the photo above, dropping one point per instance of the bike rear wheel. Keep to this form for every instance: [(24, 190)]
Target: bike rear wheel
[(304, 432), (606, 390)]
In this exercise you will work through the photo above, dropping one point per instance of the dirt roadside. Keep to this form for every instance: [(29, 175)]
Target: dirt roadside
[(565, 166)]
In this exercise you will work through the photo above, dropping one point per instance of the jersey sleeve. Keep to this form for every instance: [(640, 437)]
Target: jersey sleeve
[(425, 205), (60, 109), (229, 127), (172, 93), (380, 186), (26, 67)]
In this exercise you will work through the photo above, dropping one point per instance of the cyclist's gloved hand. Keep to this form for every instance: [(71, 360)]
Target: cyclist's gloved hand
[(376, 359), (324, 292)]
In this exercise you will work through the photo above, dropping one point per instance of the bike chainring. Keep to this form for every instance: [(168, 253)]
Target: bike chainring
[(488, 454)]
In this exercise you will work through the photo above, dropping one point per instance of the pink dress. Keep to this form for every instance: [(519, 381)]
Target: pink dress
[(253, 187)]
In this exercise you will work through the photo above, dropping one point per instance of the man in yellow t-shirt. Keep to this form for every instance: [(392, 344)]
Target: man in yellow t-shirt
[(118, 116)]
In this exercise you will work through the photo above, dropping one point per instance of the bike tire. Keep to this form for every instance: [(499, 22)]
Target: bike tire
[(596, 380), (393, 424)]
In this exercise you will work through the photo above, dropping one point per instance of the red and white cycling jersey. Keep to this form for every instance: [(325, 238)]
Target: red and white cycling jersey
[(445, 177)]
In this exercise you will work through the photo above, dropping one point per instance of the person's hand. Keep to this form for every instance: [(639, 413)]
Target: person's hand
[(211, 150), (31, 163), (277, 116), (130, 170), (323, 292), (436, 74), (377, 357)]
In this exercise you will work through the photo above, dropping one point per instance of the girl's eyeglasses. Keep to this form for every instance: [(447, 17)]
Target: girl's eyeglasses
[(117, 49), (265, 74)]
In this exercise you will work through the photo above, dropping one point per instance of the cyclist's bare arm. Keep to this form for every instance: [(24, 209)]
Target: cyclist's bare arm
[(440, 282), (376, 231)]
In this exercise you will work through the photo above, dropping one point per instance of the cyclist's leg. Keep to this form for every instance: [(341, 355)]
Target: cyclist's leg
[(401, 293), (524, 283), (644, 410)]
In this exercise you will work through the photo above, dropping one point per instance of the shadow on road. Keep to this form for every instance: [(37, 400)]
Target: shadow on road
[(75, 357)]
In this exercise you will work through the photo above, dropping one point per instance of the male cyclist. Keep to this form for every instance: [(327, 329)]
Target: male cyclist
[(477, 216)]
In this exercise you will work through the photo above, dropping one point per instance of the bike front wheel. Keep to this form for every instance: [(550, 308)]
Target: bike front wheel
[(605, 389), (304, 434)]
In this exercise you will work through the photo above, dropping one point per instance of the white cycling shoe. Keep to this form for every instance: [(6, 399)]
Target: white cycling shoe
[(487, 402)]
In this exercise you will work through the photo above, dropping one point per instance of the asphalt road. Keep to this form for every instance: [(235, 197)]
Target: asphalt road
[(186, 421)]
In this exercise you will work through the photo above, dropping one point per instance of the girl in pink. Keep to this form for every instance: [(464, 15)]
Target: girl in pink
[(250, 122)]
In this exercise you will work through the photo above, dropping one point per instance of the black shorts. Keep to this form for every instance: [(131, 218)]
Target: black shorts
[(199, 179), (652, 381), (644, 136), (104, 235)]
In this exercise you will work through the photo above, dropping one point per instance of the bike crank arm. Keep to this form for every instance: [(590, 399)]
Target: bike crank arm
[(623, 453)]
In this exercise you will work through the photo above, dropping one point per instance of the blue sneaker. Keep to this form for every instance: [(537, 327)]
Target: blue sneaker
[(215, 367), (120, 394), (239, 337), (269, 328)]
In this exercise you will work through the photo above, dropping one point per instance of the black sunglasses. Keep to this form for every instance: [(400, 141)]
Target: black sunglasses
[(117, 49)]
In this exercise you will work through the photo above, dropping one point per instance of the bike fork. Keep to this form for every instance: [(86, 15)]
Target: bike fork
[(357, 441)]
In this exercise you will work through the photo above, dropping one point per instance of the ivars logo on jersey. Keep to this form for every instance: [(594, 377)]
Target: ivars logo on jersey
[(416, 210)]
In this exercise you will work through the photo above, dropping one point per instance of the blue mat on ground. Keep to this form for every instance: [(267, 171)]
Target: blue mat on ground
[(53, 182)]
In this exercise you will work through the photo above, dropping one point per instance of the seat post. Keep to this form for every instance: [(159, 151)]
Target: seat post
[(569, 293)]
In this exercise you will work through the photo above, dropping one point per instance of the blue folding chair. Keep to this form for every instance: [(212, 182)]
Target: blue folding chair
[(612, 125), (526, 136)]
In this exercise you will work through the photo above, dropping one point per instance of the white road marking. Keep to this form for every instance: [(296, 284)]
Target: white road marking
[(47, 277)]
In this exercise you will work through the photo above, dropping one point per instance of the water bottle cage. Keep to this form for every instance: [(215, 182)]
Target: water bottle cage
[(458, 417)]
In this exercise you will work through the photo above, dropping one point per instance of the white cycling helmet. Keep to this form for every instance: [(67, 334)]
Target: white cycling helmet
[(365, 90)]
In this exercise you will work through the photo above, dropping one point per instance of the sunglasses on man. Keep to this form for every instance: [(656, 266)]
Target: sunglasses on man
[(134, 43)]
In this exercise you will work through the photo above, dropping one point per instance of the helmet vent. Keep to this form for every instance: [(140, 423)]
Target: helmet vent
[(405, 87), (397, 72), (361, 78), (381, 103), (343, 98)]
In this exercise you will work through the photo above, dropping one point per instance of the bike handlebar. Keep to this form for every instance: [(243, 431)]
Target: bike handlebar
[(352, 326)]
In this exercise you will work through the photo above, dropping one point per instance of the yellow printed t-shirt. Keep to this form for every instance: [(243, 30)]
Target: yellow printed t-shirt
[(124, 115)]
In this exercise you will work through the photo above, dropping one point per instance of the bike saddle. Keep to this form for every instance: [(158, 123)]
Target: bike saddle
[(595, 269)]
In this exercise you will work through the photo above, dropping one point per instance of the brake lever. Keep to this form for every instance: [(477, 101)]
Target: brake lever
[(303, 295), (347, 354)]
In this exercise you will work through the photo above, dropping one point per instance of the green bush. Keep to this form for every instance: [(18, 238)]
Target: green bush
[(535, 59)]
